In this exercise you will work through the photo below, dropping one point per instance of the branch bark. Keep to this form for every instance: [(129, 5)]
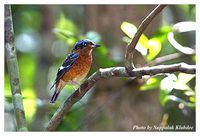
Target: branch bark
[(13, 71), (129, 51), (108, 73)]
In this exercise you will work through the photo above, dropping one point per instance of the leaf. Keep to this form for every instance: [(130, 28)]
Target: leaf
[(65, 33), (28, 93), (102, 57), (166, 86), (151, 83), (29, 108), (126, 39), (189, 93), (129, 29), (29, 102), (179, 100), (27, 70), (183, 79), (65, 24), (168, 83), (7, 88), (192, 99), (165, 29), (154, 46), (28, 20), (144, 41), (66, 30)]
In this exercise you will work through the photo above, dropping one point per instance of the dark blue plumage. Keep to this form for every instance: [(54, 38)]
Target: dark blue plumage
[(82, 43), (69, 61)]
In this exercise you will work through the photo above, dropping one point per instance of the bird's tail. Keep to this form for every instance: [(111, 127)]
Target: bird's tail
[(54, 96)]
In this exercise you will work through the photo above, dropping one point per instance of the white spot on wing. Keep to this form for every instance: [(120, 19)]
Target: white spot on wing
[(61, 67)]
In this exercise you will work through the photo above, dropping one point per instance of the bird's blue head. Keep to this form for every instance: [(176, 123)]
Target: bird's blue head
[(85, 44)]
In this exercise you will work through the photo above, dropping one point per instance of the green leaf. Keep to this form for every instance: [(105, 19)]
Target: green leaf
[(29, 108), (103, 50), (151, 83), (154, 46), (172, 82), (165, 29), (66, 30), (144, 41), (192, 99), (29, 102), (129, 29), (166, 86), (126, 39), (102, 58), (194, 58), (27, 69), (168, 83), (65, 24), (65, 33), (7, 88), (189, 93), (181, 86), (183, 79), (179, 100), (28, 93), (28, 19)]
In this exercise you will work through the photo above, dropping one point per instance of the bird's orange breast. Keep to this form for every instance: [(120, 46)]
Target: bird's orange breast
[(79, 69)]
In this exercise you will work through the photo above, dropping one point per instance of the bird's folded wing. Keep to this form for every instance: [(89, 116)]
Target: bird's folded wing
[(65, 67)]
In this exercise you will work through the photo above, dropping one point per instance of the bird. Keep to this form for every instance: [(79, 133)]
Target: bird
[(75, 67)]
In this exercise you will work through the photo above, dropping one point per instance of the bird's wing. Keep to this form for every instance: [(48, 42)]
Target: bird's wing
[(65, 67)]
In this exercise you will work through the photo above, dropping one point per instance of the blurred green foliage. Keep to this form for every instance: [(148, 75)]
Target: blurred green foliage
[(66, 30), (152, 46), (175, 89)]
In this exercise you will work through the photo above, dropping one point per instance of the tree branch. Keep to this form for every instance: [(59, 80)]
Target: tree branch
[(108, 73), (13, 71), (169, 57), (129, 51), (165, 58)]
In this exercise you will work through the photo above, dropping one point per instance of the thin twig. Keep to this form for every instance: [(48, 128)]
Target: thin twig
[(13, 71), (129, 51), (106, 74), (165, 58)]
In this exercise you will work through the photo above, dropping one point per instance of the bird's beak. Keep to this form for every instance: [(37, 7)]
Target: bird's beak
[(96, 45)]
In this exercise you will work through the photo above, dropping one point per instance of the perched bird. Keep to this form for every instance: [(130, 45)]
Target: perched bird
[(75, 67)]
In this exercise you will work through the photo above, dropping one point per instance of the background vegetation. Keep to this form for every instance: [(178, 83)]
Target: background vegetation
[(45, 34)]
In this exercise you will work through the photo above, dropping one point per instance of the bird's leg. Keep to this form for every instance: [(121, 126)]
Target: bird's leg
[(75, 83), (79, 86), (74, 88)]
